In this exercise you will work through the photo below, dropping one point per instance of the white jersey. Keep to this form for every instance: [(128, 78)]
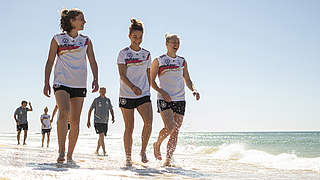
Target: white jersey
[(71, 64), (137, 64), (46, 121), (170, 75)]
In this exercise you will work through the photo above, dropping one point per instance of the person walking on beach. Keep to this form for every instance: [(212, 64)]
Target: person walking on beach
[(101, 105), (56, 108), (173, 73), (134, 65), (20, 115), (45, 126), (70, 76)]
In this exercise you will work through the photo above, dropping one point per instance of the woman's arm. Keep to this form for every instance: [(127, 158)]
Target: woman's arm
[(51, 57), (94, 67), (154, 85), (188, 81), (123, 77)]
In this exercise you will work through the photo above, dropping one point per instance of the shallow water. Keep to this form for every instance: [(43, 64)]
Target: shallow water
[(200, 155)]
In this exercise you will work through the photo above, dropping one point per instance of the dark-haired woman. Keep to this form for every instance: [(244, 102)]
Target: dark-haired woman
[(134, 65), (173, 73), (70, 76)]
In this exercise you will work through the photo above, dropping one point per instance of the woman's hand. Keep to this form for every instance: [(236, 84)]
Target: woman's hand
[(165, 95), (196, 94), (47, 90), (137, 91), (95, 86)]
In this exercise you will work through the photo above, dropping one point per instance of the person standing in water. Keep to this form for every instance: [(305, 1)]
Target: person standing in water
[(134, 65), (70, 76), (173, 73), (20, 115), (101, 105), (45, 126)]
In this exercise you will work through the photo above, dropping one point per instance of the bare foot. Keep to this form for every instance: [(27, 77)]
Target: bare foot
[(24, 143), (167, 163), (156, 151), (18, 143), (97, 153), (60, 158), (105, 154), (128, 162), (144, 158)]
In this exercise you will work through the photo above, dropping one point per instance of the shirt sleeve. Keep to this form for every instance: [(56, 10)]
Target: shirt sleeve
[(16, 112), (149, 65), (120, 59)]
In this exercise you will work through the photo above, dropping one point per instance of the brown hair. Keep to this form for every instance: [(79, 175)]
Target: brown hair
[(66, 15), (136, 25)]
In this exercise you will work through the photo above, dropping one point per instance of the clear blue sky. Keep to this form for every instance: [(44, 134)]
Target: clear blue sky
[(255, 63)]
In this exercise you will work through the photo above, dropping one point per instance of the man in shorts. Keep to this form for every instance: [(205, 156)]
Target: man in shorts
[(20, 115), (101, 105)]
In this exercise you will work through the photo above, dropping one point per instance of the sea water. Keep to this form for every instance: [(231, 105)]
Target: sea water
[(199, 155)]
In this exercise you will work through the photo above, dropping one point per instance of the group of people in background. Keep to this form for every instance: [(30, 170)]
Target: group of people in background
[(137, 73)]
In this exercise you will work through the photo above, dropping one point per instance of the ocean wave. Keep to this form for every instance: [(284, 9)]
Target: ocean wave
[(238, 152)]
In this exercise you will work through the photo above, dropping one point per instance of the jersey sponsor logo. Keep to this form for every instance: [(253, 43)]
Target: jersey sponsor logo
[(167, 61), (130, 55), (65, 40)]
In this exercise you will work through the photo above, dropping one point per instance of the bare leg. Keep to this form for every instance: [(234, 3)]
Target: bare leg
[(25, 137), (62, 99), (101, 137), (18, 137), (167, 117), (128, 117), (98, 145), (48, 139), (172, 143), (145, 110), (42, 140), (75, 112)]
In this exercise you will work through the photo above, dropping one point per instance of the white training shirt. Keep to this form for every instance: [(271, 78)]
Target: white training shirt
[(46, 121), (71, 64), (170, 75), (137, 64)]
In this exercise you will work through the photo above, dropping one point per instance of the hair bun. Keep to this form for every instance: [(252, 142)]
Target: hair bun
[(133, 20), (64, 12)]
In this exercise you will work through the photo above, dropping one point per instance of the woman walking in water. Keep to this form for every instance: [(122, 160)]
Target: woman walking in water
[(173, 73), (70, 76)]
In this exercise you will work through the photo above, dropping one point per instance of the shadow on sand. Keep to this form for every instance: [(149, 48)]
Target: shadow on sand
[(147, 171), (53, 166)]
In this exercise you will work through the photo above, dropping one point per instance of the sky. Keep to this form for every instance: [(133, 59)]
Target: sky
[(255, 63)]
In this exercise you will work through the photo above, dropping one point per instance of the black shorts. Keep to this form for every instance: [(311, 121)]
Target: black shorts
[(73, 92), (22, 127), (129, 103), (101, 128), (43, 131), (178, 107)]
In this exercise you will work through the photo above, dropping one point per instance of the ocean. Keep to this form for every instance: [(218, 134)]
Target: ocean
[(199, 155)]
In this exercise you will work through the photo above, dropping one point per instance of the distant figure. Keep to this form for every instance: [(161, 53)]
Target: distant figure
[(56, 108), (101, 105), (173, 73), (45, 126), (71, 51), (134, 65), (20, 115)]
